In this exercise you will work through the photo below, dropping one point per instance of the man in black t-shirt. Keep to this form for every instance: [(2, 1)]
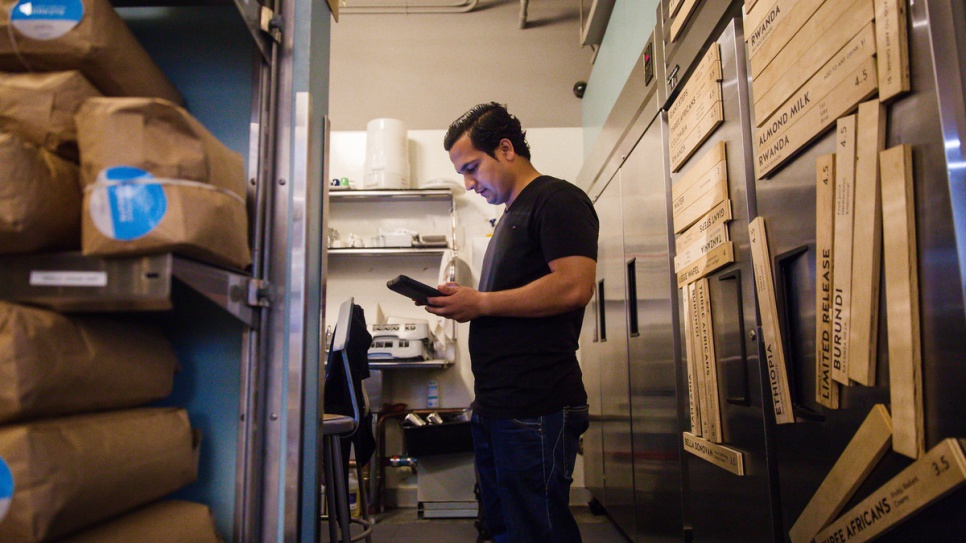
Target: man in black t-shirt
[(538, 275)]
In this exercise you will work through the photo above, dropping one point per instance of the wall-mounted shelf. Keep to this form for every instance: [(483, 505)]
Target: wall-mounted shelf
[(388, 251), (394, 365), (386, 195), (72, 282)]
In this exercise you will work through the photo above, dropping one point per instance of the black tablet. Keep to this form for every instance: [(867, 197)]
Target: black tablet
[(412, 288)]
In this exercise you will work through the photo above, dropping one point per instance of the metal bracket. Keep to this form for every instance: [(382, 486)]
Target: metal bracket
[(271, 24), (259, 293)]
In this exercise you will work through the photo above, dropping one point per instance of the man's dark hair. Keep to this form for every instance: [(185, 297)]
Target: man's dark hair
[(486, 125)]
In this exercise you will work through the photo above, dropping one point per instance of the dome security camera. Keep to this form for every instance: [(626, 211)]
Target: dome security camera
[(579, 88)]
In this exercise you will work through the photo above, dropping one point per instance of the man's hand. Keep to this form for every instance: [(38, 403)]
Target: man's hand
[(461, 304)]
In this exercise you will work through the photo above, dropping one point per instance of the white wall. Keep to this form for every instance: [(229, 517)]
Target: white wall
[(426, 69)]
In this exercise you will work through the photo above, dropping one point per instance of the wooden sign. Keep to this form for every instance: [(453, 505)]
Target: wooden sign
[(785, 26), (710, 98), (684, 13), (673, 8), (719, 455), (842, 250), (892, 43), (834, 24), (712, 260), (702, 129), (713, 237), (783, 94), (720, 214), (902, 300), (700, 167), (784, 140), (866, 243), (695, 412), (771, 333), (706, 73), (826, 390), (866, 448), (709, 363), (761, 23), (937, 473), (750, 5), (700, 390), (711, 191)]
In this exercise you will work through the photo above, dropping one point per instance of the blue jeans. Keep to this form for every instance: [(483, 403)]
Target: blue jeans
[(526, 468)]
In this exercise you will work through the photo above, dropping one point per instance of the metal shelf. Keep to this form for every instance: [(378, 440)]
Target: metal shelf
[(251, 11), (72, 282), (388, 251), (385, 195), (424, 364)]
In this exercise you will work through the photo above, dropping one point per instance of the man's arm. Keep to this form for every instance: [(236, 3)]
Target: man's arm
[(568, 286)]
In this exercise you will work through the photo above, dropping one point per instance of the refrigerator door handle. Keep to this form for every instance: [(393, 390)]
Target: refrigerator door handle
[(632, 322), (736, 392), (784, 292), (601, 319)]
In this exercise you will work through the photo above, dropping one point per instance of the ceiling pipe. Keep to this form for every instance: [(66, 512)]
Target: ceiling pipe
[(460, 6)]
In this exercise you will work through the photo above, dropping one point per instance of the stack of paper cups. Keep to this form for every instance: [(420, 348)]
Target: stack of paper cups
[(387, 155)]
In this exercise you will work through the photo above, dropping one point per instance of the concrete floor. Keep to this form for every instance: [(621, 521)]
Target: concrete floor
[(404, 526)]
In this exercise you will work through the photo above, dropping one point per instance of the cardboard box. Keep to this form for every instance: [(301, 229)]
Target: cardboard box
[(163, 522), (40, 108), (74, 472), (193, 220), (40, 201), (158, 137), (95, 41), (52, 364)]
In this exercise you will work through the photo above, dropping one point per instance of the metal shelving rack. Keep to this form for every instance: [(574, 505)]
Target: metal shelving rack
[(259, 394)]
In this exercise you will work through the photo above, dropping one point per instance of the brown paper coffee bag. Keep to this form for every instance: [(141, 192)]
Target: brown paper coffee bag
[(40, 200), (163, 522), (95, 41), (53, 364), (73, 472), (40, 108)]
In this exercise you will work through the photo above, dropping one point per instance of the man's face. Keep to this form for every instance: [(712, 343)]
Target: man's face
[(487, 176)]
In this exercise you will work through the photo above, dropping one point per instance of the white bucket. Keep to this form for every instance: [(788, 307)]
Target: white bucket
[(387, 155)]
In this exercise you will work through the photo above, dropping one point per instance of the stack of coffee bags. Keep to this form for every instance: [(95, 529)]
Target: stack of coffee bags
[(88, 459), (154, 179), (73, 430)]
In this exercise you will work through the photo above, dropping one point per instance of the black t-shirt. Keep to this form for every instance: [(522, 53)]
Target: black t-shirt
[(527, 367)]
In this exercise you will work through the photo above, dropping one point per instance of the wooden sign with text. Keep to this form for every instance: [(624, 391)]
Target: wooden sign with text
[(798, 86), (709, 363), (826, 390), (865, 449), (720, 214), (694, 410), (779, 139), (866, 243), (719, 455), (842, 250), (902, 300), (935, 474), (892, 44), (770, 330), (712, 260)]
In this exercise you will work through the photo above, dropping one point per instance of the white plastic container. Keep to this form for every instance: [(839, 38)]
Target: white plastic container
[(387, 155)]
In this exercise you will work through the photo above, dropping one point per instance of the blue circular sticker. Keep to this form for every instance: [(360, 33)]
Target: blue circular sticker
[(6, 488), (46, 19), (123, 206)]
